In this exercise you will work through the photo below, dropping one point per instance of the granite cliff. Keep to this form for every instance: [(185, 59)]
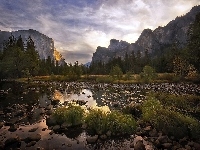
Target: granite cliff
[(176, 31), (43, 44)]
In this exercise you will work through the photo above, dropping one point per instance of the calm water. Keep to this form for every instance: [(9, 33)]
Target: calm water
[(33, 99)]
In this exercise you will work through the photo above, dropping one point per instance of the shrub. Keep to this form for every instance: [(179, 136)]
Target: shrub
[(104, 79), (73, 115), (99, 122), (170, 122)]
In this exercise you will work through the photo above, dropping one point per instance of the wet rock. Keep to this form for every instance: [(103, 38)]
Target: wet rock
[(109, 133), (65, 125), (103, 137), (56, 128), (153, 133), (1, 124), (49, 112), (13, 128), (43, 129), (19, 113), (163, 139), (49, 107), (197, 146), (35, 137), (1, 145), (33, 129), (52, 132), (183, 141), (32, 143), (41, 111), (148, 128), (91, 139), (139, 146), (51, 121), (167, 145), (13, 142), (188, 147)]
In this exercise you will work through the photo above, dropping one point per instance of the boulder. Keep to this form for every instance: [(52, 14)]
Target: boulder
[(91, 139)]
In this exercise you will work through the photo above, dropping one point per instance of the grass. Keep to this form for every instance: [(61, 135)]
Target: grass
[(100, 122), (72, 115), (168, 121)]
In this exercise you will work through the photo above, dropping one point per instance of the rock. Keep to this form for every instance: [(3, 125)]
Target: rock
[(65, 125), (183, 141), (35, 137), (167, 145), (56, 128), (49, 107), (84, 126), (163, 139), (188, 147), (153, 133), (19, 113), (91, 139), (148, 128), (33, 129), (41, 111), (109, 133), (1, 124), (196, 145), (103, 137), (32, 143), (51, 121), (1, 145), (52, 132), (13, 142), (49, 112), (13, 128), (139, 146), (40, 148)]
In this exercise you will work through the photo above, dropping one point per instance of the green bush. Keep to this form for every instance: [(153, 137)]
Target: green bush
[(148, 74), (170, 122), (100, 122), (73, 115), (105, 79)]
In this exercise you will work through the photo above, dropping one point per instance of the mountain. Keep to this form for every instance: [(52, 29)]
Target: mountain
[(175, 32), (43, 44)]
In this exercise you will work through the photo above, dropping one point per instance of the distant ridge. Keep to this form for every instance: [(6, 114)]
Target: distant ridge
[(176, 31)]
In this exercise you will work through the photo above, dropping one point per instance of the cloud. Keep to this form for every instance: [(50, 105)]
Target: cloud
[(78, 27)]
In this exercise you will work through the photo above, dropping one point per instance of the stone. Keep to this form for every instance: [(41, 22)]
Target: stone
[(153, 133), (103, 137), (35, 137), (148, 128), (196, 145), (1, 124), (33, 129), (167, 145), (49, 112), (139, 146), (13, 142), (51, 121), (56, 127), (52, 132), (108, 133), (1, 145), (183, 141), (163, 139), (13, 128), (32, 143), (91, 139), (188, 147)]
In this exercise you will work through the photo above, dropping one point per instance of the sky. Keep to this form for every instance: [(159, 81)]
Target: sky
[(79, 26)]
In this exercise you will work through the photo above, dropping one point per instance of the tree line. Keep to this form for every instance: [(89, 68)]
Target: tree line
[(19, 60)]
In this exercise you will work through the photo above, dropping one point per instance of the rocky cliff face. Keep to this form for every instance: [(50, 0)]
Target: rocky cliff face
[(43, 44), (176, 31)]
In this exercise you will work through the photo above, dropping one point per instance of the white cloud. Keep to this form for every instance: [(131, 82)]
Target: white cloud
[(78, 27)]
